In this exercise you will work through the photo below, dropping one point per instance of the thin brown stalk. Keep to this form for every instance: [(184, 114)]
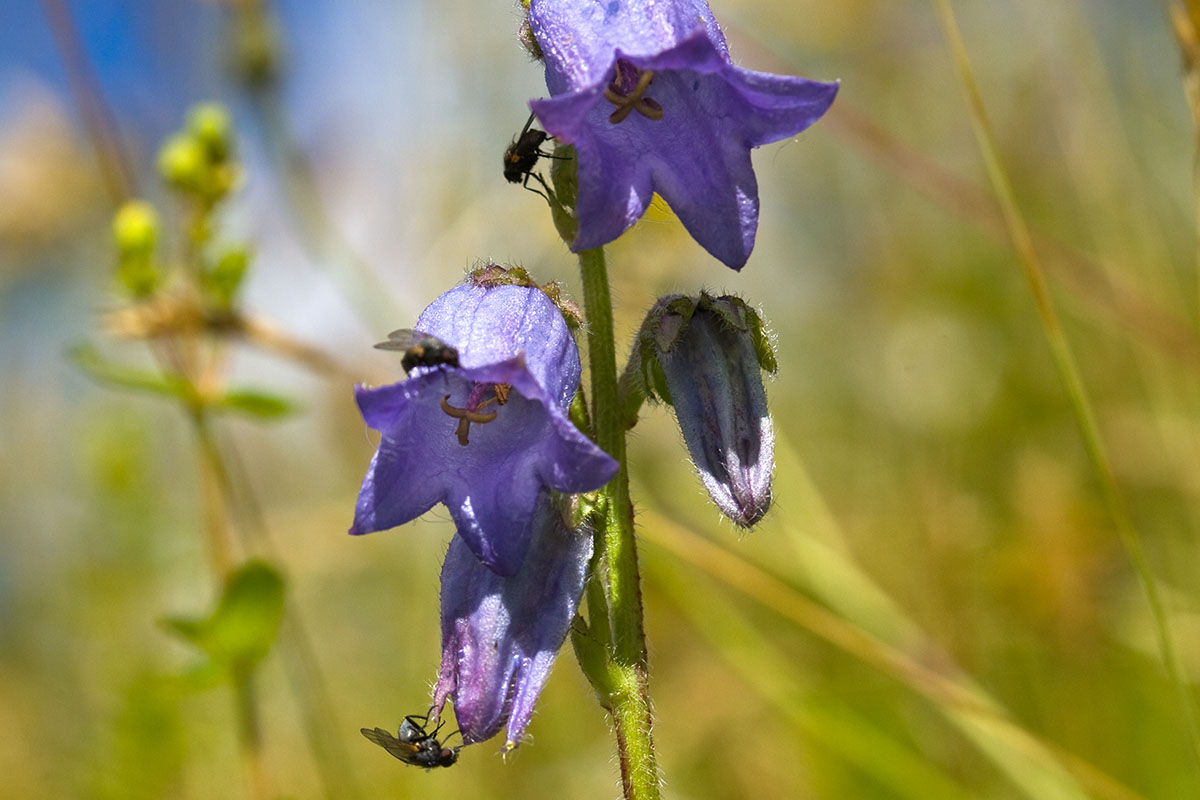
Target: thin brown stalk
[(89, 95)]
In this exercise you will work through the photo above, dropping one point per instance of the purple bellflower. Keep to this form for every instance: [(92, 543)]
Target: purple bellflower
[(648, 95), (710, 352), (484, 432), (500, 634)]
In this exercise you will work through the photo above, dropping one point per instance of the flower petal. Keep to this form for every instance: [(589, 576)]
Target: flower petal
[(614, 191), (399, 487), (717, 391), (492, 497), (707, 115), (500, 634), (493, 324), (572, 462), (579, 39), (783, 105), (486, 437)]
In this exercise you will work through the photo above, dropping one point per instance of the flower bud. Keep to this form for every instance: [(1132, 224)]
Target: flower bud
[(707, 353), (223, 279), (135, 229), (500, 634), (182, 162), (212, 127), (135, 232), (526, 38)]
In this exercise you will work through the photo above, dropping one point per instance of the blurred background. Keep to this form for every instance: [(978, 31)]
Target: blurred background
[(938, 606)]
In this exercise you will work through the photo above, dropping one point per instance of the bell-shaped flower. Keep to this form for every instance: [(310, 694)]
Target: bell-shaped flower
[(647, 94), (481, 427), (705, 356), (500, 634)]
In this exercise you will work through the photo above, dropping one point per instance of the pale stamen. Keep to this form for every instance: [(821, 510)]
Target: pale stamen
[(466, 416), (634, 101)]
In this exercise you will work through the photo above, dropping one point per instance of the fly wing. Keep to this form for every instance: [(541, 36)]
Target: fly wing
[(408, 338), (402, 339), (404, 751)]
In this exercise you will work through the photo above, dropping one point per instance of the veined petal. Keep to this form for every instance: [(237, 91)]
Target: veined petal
[(783, 105), (613, 192), (579, 37), (574, 463), (701, 167), (500, 634), (399, 488), (485, 436), (712, 369), (489, 325), (647, 94)]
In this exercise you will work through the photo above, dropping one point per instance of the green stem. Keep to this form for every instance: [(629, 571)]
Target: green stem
[(624, 594), (1068, 369), (626, 695), (213, 478), (250, 734)]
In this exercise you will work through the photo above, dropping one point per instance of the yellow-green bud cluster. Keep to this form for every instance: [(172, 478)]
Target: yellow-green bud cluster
[(135, 233), (198, 160)]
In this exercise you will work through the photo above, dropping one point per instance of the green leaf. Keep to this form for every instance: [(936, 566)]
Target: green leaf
[(256, 404), (762, 342), (224, 278), (97, 367), (242, 629)]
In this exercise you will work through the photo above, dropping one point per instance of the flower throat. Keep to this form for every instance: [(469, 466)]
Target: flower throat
[(477, 400), (628, 93)]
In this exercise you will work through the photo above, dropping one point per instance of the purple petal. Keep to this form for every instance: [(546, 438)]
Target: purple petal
[(500, 635), (491, 325), (398, 487), (697, 155), (491, 484), (716, 388), (572, 462), (701, 166), (580, 38), (493, 504), (614, 191), (783, 105)]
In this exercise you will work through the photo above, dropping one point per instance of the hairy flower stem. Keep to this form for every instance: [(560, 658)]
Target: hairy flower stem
[(626, 696)]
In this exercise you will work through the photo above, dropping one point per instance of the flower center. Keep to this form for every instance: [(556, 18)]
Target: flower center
[(482, 395), (627, 92)]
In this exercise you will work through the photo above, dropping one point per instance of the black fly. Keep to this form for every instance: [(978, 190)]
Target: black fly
[(522, 156), (414, 745), (420, 349)]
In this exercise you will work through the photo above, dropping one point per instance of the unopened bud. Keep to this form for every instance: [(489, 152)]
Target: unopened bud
[(710, 352), (212, 128), (135, 232), (135, 228), (182, 162)]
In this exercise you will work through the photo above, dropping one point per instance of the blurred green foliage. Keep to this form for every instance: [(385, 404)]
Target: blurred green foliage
[(242, 628), (933, 496)]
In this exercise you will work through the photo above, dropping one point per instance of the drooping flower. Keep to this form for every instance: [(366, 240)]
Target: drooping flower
[(647, 94), (500, 634), (485, 432), (710, 352)]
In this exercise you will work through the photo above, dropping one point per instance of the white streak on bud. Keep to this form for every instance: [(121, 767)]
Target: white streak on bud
[(714, 376)]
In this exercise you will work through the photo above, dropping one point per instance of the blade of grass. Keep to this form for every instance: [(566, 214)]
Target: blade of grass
[(769, 672), (1068, 369), (1185, 22), (1096, 284), (1040, 770)]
